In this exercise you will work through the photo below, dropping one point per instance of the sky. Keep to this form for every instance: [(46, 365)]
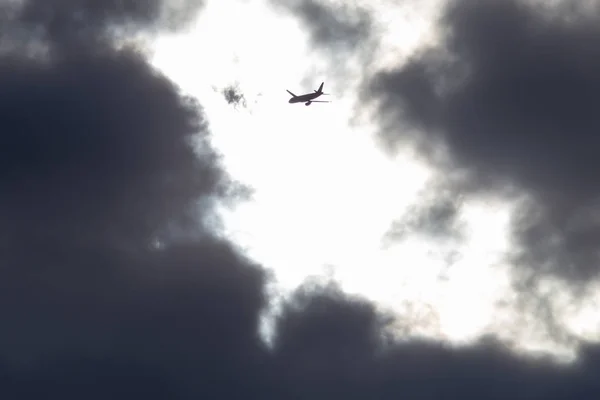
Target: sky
[(175, 229)]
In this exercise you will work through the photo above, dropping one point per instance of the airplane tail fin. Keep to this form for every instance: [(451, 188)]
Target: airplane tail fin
[(320, 88), (293, 95)]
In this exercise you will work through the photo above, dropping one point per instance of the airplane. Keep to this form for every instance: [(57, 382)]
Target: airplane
[(308, 98)]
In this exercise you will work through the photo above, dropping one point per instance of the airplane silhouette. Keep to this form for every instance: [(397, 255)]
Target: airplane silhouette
[(308, 98)]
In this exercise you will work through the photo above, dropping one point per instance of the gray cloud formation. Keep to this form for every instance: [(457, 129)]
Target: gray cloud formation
[(70, 16), (330, 346), (436, 215), (510, 93), (332, 26), (100, 157), (233, 95), (341, 33)]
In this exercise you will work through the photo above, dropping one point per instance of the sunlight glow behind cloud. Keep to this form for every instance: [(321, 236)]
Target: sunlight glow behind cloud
[(325, 194)]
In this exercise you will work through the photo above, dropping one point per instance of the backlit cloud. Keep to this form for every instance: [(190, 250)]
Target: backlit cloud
[(509, 94)]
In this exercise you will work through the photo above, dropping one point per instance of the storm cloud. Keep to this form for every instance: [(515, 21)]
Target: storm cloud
[(509, 93), (110, 270), (333, 346)]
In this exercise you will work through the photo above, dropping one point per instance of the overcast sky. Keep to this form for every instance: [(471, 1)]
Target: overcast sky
[(173, 228)]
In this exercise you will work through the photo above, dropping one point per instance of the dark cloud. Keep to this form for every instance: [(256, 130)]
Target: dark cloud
[(331, 346), (435, 215), (326, 344), (113, 284), (62, 18), (233, 95), (510, 94), (112, 287), (183, 320), (332, 26)]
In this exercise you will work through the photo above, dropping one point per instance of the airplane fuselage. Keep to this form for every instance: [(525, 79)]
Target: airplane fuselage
[(304, 98)]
